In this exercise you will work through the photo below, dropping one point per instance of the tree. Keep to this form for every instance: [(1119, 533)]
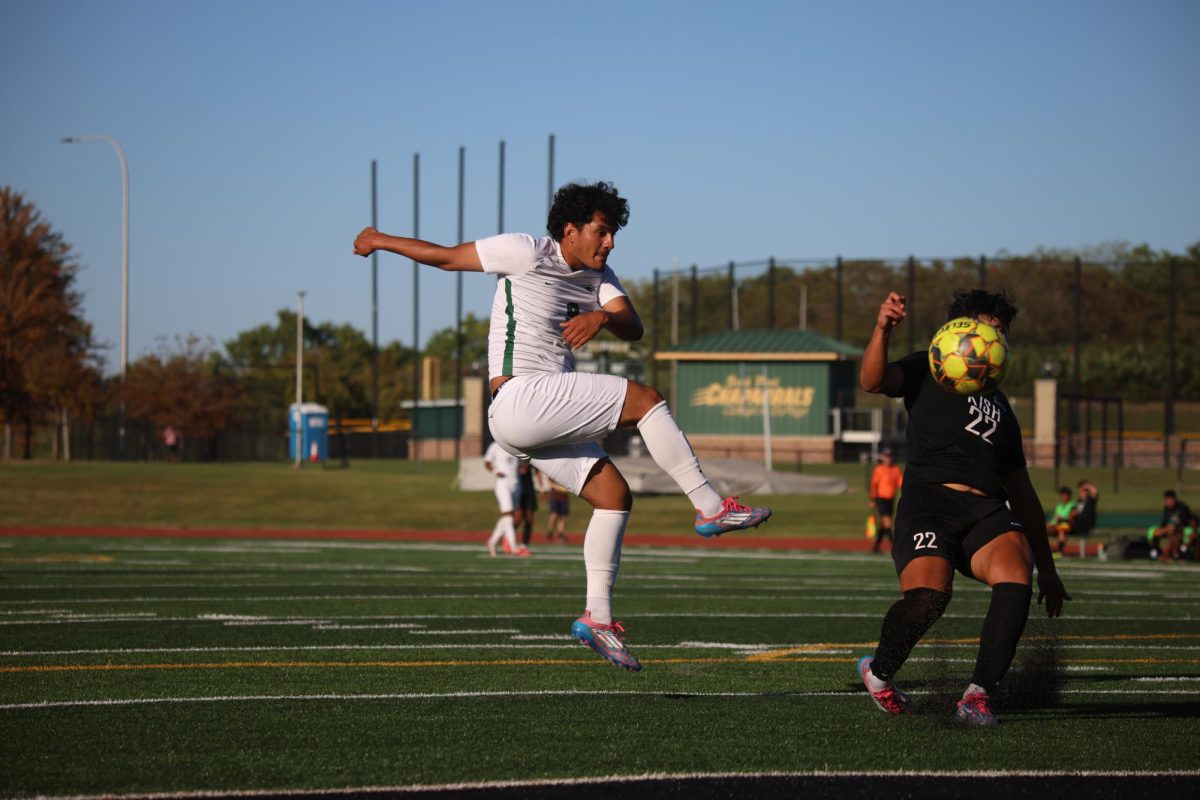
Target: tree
[(46, 350), (182, 387)]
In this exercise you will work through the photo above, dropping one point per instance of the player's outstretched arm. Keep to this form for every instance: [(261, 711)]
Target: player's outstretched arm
[(875, 375), (459, 258), (1028, 508)]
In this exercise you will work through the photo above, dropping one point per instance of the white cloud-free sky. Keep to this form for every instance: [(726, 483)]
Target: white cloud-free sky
[(738, 130)]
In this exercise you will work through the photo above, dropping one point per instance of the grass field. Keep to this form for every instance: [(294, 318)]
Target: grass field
[(168, 665), (386, 495)]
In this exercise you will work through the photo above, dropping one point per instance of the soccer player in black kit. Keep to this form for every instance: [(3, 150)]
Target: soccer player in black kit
[(965, 460)]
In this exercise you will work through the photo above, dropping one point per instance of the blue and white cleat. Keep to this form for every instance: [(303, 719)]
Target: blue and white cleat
[(607, 640), (733, 516)]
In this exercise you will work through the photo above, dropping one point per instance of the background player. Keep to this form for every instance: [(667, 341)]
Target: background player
[(503, 465), (553, 296), (885, 485), (965, 459), (558, 500)]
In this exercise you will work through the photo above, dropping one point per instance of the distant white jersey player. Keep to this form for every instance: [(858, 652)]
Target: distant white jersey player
[(553, 295), (503, 465)]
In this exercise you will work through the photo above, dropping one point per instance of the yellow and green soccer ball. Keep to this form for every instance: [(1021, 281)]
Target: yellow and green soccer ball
[(967, 356)]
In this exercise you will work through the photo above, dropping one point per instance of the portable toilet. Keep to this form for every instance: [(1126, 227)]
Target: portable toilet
[(308, 429)]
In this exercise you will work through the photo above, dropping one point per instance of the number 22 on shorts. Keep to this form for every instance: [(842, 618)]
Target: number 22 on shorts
[(925, 541)]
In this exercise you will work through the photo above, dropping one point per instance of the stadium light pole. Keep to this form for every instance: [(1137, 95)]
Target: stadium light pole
[(124, 267)]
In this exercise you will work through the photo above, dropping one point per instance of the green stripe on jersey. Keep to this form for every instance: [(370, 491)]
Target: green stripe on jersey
[(510, 330)]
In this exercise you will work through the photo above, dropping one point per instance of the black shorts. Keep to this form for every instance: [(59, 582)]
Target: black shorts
[(884, 506), (935, 521)]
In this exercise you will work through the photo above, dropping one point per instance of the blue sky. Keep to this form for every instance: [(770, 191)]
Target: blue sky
[(738, 131)]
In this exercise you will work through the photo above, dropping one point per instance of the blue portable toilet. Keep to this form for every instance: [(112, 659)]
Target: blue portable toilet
[(308, 429)]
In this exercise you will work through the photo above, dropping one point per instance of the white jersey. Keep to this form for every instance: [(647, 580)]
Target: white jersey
[(537, 291), (503, 462)]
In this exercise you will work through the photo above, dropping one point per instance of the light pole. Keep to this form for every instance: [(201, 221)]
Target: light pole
[(124, 240), (124, 267)]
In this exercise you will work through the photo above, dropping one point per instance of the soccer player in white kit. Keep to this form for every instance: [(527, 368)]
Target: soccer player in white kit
[(503, 465), (553, 295)]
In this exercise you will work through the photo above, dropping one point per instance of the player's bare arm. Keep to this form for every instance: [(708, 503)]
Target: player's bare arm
[(617, 315), (875, 375), (459, 258), (1028, 508)]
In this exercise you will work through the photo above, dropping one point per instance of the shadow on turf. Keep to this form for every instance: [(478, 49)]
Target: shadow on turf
[(1033, 684)]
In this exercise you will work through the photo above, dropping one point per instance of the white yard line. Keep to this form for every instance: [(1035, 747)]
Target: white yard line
[(476, 695)]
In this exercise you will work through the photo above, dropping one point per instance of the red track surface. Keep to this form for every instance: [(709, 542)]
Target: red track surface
[(664, 540)]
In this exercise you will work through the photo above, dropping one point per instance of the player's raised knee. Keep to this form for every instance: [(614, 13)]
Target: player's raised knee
[(639, 399)]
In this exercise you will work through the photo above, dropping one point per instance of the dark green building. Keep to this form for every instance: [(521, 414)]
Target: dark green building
[(719, 384)]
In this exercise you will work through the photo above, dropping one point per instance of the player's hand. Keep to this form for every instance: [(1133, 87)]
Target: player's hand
[(892, 312), (364, 243), (580, 330), (1050, 587)]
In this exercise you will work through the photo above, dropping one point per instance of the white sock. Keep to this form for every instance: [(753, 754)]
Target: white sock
[(975, 689), (497, 532), (874, 683), (601, 558), (510, 532), (672, 452)]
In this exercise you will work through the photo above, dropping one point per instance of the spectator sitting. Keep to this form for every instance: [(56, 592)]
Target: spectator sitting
[(1172, 537), (1060, 523), (1081, 519)]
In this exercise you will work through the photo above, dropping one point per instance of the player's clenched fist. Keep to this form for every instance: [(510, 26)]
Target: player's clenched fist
[(364, 243)]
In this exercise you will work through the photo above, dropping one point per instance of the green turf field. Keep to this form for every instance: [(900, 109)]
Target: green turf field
[(134, 665)]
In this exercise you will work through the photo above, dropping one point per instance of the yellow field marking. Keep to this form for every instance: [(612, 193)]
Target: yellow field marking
[(506, 662), (775, 657), (59, 559), (818, 647)]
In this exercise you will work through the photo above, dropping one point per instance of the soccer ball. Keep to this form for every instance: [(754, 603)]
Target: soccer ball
[(967, 356)]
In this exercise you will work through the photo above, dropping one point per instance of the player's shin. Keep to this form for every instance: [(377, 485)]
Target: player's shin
[(906, 622), (672, 452), (601, 559), (1002, 629)]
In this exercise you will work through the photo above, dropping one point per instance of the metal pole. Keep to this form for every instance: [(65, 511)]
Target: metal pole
[(458, 304), (550, 177), (299, 417), (374, 320), (771, 293), (732, 298), (1078, 331), (983, 272), (124, 268), (1169, 404), (695, 299), (675, 306), (654, 329), (416, 293), (837, 303), (910, 303), (768, 458), (500, 203)]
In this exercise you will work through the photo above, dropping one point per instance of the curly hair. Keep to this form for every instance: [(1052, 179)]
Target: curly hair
[(979, 302), (577, 203)]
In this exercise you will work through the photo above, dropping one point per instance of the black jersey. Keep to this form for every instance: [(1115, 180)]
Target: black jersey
[(952, 438)]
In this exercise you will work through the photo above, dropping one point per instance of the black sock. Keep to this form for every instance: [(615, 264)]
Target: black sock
[(906, 622), (1002, 628), (527, 531)]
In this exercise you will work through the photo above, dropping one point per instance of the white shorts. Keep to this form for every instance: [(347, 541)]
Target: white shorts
[(557, 420), (506, 496)]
